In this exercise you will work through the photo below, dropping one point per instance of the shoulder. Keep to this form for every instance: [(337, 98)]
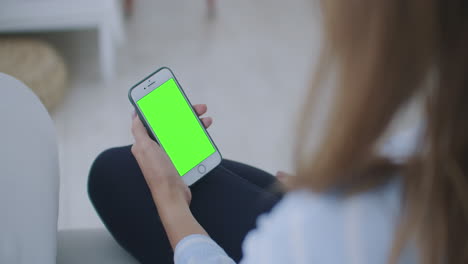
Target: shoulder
[(327, 228)]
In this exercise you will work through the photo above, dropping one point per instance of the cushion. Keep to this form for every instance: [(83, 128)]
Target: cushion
[(90, 246), (38, 65)]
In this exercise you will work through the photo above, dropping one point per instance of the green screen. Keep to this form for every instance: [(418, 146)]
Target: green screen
[(171, 118)]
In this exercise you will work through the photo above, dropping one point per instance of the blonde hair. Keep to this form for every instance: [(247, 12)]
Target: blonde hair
[(384, 52)]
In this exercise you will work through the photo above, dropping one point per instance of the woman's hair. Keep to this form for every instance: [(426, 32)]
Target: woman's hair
[(384, 53)]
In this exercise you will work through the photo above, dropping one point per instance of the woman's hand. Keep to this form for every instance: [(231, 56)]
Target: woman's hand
[(283, 177), (162, 178), (170, 194)]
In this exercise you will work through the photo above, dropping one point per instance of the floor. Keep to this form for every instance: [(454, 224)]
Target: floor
[(250, 63)]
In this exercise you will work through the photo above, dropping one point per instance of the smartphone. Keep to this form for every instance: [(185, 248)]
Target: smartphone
[(172, 122)]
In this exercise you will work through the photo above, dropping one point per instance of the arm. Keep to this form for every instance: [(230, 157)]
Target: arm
[(170, 194), (176, 217), (172, 197), (191, 243)]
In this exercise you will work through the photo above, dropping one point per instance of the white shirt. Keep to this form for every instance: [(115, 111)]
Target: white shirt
[(305, 227), (309, 228)]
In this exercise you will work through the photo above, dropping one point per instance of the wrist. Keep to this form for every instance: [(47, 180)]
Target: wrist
[(179, 222), (168, 199)]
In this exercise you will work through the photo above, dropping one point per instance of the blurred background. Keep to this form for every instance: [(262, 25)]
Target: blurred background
[(249, 60)]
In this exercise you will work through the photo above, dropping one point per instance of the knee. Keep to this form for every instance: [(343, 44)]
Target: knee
[(101, 170), (97, 173)]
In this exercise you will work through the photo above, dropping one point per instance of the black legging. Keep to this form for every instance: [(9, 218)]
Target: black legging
[(226, 202)]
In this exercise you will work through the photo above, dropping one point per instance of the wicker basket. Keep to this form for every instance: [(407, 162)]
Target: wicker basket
[(38, 65)]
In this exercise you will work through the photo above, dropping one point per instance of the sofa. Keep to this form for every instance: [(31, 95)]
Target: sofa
[(29, 190)]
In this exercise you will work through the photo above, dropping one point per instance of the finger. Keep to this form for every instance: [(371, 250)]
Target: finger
[(207, 121), (282, 176), (200, 109), (138, 130)]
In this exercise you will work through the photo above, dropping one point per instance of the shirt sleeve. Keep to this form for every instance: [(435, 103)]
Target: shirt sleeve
[(279, 237), (313, 228), (268, 243), (195, 249)]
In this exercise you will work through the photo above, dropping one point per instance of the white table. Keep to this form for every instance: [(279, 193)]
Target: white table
[(53, 15)]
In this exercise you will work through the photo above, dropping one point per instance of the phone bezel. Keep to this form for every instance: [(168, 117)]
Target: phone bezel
[(149, 84)]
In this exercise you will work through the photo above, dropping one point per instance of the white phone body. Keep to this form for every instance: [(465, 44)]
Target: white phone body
[(146, 86)]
